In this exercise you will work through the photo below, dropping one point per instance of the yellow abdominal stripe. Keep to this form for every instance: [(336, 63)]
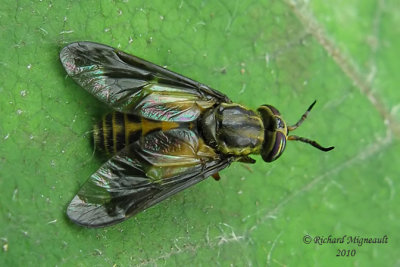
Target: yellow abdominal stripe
[(105, 134), (148, 126), (116, 129), (130, 127)]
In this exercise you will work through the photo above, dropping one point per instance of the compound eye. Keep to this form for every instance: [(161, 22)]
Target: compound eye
[(273, 110), (271, 118), (277, 148), (280, 124)]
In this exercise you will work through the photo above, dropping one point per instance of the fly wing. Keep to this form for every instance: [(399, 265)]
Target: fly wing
[(120, 80), (143, 174)]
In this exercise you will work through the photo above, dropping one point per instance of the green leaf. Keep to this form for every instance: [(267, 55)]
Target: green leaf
[(285, 53)]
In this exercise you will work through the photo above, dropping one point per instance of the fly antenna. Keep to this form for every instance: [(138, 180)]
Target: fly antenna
[(294, 127), (311, 142)]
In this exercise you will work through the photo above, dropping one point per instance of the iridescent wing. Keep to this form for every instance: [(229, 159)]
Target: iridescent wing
[(143, 174), (132, 85)]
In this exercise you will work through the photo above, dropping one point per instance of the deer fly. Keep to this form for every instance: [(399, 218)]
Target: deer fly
[(165, 133)]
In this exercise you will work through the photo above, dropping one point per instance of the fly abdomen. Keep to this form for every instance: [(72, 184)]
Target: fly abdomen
[(117, 130)]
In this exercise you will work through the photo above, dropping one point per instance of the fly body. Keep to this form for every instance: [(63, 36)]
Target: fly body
[(165, 133)]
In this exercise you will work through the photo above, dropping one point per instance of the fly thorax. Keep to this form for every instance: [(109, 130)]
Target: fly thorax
[(233, 129)]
